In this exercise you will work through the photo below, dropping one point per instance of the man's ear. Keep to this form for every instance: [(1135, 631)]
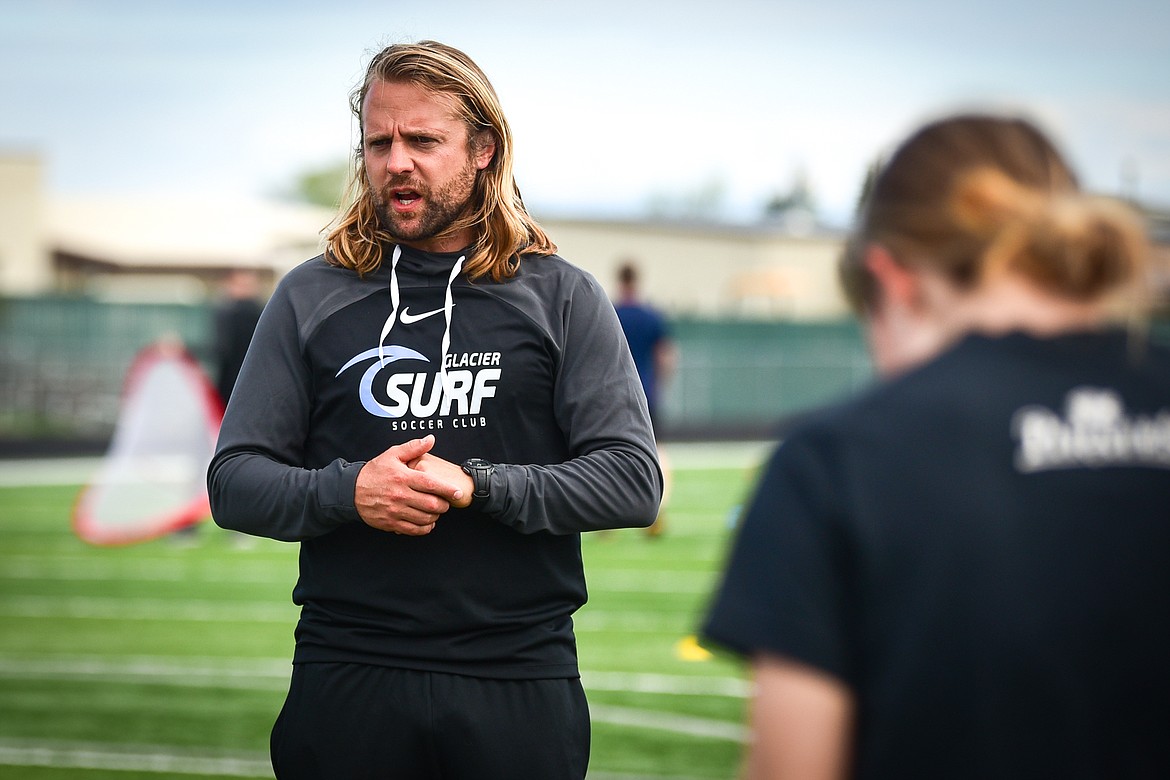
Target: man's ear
[(485, 149), (897, 285)]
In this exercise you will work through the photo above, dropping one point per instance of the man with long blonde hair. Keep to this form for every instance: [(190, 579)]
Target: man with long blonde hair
[(502, 227), (435, 408)]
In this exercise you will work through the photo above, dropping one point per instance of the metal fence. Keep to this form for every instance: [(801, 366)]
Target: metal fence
[(741, 378), (63, 362)]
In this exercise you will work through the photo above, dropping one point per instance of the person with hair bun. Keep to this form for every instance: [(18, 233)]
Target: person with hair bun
[(965, 570)]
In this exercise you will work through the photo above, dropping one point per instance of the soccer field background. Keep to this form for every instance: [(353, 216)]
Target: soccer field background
[(171, 658)]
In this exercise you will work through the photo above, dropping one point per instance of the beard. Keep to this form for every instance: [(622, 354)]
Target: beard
[(441, 208)]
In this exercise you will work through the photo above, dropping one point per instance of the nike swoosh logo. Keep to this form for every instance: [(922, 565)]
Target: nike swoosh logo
[(408, 318)]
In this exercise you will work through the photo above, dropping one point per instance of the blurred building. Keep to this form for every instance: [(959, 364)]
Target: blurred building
[(141, 248), (177, 248), (24, 249), (710, 270)]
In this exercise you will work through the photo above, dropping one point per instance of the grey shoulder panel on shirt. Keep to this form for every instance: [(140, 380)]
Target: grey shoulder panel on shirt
[(544, 285), (317, 290)]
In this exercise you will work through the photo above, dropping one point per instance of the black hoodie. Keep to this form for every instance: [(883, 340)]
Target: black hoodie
[(540, 381)]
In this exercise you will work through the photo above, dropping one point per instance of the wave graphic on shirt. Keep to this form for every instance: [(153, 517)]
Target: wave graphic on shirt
[(390, 354)]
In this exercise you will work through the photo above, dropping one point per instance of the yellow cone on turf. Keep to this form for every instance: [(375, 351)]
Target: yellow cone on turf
[(688, 649)]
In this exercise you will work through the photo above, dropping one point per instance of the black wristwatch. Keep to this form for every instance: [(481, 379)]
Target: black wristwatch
[(480, 471)]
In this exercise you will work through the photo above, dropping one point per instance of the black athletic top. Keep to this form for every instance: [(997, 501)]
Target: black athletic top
[(539, 381), (980, 550)]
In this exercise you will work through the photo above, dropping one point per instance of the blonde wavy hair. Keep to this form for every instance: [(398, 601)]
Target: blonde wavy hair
[(504, 230), (972, 196)]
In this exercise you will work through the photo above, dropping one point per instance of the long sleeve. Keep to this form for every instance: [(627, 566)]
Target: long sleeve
[(257, 480), (613, 479)]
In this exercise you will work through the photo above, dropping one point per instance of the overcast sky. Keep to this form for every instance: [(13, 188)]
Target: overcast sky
[(614, 104)]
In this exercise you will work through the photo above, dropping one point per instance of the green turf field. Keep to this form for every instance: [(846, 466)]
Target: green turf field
[(171, 660)]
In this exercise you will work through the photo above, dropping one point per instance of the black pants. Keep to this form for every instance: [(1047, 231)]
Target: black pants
[(358, 722)]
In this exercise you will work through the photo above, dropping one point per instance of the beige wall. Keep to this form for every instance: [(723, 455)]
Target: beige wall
[(686, 269), (24, 257), (711, 270)]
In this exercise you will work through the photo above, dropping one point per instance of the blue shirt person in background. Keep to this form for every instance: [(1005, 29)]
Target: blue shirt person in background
[(648, 334)]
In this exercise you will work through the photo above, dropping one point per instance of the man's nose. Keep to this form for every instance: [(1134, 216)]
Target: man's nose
[(399, 159)]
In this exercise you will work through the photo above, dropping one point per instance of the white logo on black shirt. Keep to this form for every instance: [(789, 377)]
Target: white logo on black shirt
[(1094, 432), (409, 319)]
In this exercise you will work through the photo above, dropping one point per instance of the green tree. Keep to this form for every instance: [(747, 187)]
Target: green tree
[(322, 186)]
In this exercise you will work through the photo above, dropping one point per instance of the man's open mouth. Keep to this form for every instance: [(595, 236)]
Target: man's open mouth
[(405, 197)]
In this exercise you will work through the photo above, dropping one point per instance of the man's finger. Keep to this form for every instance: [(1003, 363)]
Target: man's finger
[(410, 529), (415, 448), (428, 483)]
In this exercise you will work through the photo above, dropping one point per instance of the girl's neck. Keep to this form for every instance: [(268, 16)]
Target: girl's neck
[(1010, 303)]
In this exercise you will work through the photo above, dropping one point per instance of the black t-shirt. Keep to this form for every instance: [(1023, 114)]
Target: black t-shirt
[(980, 550)]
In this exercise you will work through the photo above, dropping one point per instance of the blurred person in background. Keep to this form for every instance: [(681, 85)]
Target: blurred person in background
[(965, 572), (648, 335), (436, 408), (234, 321)]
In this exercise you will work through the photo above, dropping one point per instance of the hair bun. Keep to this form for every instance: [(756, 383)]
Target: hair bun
[(1075, 245), (986, 199)]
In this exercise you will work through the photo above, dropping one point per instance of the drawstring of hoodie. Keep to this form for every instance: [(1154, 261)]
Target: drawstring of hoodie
[(393, 306), (448, 306)]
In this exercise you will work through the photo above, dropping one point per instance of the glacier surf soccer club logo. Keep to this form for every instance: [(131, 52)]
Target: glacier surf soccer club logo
[(405, 387)]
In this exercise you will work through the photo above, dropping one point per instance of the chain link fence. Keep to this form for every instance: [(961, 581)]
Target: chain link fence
[(63, 362)]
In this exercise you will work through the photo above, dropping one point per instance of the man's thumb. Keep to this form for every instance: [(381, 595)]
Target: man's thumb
[(416, 447)]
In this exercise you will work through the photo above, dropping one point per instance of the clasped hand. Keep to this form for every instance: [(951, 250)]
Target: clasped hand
[(406, 489)]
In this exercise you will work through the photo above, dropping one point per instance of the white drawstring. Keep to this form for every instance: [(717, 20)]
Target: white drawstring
[(448, 306), (393, 305)]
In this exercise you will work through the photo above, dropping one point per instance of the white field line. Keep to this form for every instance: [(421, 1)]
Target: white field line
[(671, 684), (79, 569), (668, 721), (239, 673), (158, 759), (47, 471), (273, 674), (685, 456), (161, 570), (184, 610), (681, 456)]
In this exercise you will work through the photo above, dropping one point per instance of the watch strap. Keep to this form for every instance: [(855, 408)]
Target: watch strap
[(480, 471)]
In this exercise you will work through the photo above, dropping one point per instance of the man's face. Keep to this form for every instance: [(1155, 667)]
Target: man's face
[(420, 168)]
